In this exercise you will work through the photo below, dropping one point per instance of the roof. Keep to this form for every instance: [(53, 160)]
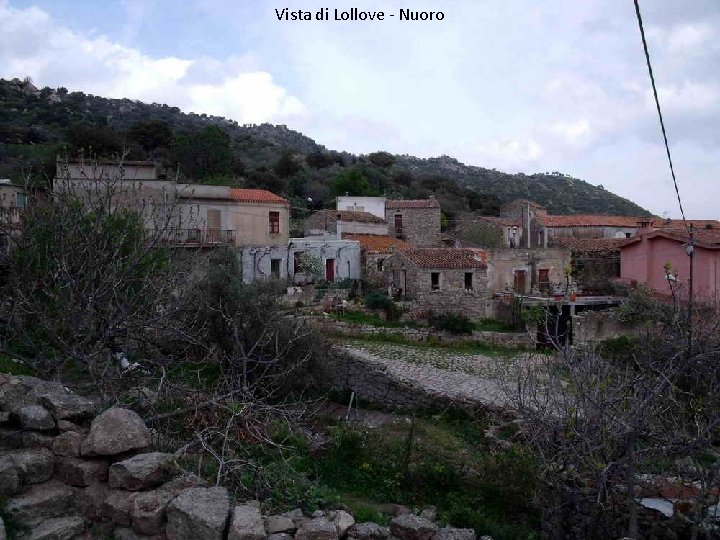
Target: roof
[(591, 220), (113, 162), (495, 220), (697, 223), (412, 203), (705, 238), (447, 257), (352, 215), (256, 196), (589, 245), (376, 243)]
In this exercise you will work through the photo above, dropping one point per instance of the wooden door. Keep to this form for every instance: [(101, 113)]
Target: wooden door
[(330, 269), (214, 223), (519, 281)]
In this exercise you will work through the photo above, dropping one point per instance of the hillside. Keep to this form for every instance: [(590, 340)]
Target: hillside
[(37, 124)]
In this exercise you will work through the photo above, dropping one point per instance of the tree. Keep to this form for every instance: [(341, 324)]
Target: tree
[(319, 159), (286, 165), (94, 141), (151, 134), (204, 154), (351, 182), (381, 159)]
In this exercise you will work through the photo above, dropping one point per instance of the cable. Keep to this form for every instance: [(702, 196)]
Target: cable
[(660, 116)]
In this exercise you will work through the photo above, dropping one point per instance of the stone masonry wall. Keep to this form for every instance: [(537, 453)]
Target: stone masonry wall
[(68, 474), (421, 226), (451, 297)]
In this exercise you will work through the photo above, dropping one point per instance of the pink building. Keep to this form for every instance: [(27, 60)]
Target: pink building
[(644, 257)]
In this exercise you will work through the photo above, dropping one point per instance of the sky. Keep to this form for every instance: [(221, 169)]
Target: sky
[(518, 85)]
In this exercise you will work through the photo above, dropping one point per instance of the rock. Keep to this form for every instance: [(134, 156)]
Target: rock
[(81, 472), (411, 527), (4, 417), (280, 524), (21, 390), (450, 533), (368, 531), (392, 509), (117, 506), (198, 514), (33, 466), (318, 514), (486, 537), (10, 439), (280, 536), (123, 533), (90, 501), (63, 528), (9, 479), (65, 425), (343, 521), (149, 508), (33, 439), (317, 529), (295, 515), (3, 536), (35, 417), (115, 431), (67, 444), (429, 513), (68, 406), (142, 471), (42, 501), (246, 524)]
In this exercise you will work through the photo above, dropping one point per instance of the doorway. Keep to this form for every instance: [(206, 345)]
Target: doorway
[(330, 269)]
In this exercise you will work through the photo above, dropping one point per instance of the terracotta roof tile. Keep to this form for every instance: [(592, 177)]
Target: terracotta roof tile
[(447, 257), (590, 220), (376, 243), (256, 195), (352, 215), (412, 203)]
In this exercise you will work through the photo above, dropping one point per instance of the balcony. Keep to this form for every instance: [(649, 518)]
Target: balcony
[(197, 237)]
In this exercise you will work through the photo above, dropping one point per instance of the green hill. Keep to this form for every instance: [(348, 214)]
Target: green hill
[(38, 124)]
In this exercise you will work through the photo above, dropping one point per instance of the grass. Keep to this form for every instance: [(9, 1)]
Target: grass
[(359, 317), (8, 364)]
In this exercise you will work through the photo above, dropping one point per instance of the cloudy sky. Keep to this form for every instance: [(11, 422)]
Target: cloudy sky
[(518, 85)]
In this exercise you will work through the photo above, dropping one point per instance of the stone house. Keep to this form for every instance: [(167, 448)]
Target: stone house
[(588, 226), (595, 262), (345, 221), (526, 271), (442, 280), (643, 260), (414, 221), (374, 253), (13, 200)]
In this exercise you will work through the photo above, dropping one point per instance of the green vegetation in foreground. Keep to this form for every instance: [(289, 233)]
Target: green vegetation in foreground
[(14, 366), (359, 317), (440, 460), (463, 347), (449, 323)]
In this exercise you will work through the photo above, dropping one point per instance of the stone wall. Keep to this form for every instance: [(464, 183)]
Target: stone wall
[(68, 474), (599, 325), (452, 296), (420, 226), (504, 339)]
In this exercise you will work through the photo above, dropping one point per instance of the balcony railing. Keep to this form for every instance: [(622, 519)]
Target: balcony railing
[(197, 237)]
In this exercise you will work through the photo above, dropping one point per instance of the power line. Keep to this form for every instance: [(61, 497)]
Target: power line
[(659, 111)]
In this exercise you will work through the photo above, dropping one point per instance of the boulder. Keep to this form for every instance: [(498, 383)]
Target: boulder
[(429, 513), (411, 527), (67, 444), (198, 514), (33, 466), (450, 533), (35, 439), (246, 524), (280, 524), (149, 508), (117, 506), (9, 478), (343, 521), (296, 515), (280, 536), (4, 417), (21, 390), (115, 431), (317, 529), (41, 502), (68, 406), (35, 417), (62, 528), (90, 501), (3, 536), (142, 471), (367, 531), (81, 472)]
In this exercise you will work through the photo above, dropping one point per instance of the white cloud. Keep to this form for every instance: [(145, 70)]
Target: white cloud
[(573, 132), (32, 44)]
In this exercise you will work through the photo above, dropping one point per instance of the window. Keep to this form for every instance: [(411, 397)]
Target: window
[(380, 264), (398, 226), (21, 199), (468, 281), (274, 222), (628, 235), (275, 268), (435, 281)]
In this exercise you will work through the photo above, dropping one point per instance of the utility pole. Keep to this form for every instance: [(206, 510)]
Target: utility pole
[(690, 250)]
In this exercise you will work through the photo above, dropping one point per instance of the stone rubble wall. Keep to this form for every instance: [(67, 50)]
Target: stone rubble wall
[(67, 472), (504, 339)]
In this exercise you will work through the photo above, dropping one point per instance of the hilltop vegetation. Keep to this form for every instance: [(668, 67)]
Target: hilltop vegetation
[(37, 124)]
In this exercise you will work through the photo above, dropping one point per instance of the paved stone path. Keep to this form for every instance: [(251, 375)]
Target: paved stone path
[(465, 377)]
